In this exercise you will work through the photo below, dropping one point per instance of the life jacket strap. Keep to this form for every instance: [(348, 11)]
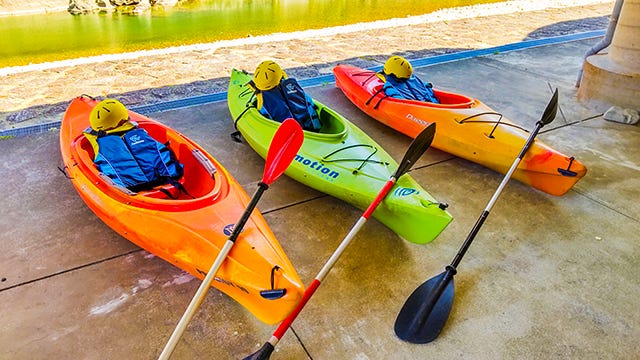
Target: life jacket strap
[(167, 193)]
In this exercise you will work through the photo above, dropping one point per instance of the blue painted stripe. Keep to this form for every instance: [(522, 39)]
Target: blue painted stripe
[(179, 103), (328, 79)]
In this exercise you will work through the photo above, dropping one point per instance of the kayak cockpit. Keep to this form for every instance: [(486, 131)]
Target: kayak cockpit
[(372, 84), (200, 183), (448, 100), (332, 124)]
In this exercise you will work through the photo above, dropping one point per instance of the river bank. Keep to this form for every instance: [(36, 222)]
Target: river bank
[(40, 93), (17, 8)]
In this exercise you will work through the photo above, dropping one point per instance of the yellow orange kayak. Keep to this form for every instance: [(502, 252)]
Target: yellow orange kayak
[(467, 128), (190, 230)]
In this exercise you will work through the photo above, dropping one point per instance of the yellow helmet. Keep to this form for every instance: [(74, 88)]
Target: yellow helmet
[(398, 66), (267, 75), (108, 114)]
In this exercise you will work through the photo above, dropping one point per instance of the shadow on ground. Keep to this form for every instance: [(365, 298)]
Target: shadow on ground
[(569, 27)]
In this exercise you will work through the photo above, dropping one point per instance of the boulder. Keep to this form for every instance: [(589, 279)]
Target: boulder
[(81, 6), (87, 6)]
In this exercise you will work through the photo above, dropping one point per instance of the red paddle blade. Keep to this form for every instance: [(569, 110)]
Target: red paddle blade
[(285, 144)]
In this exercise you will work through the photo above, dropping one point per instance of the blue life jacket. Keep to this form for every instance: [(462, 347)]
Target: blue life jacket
[(135, 160), (288, 100), (412, 89)]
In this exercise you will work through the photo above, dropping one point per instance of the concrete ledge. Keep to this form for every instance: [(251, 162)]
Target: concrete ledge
[(606, 83)]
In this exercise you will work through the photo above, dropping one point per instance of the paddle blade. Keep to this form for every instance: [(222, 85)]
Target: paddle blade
[(263, 354), (419, 145), (285, 144), (426, 311), (551, 110)]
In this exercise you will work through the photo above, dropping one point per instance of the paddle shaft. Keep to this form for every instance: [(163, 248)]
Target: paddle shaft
[(494, 198), (430, 301), (286, 324), (425, 312), (206, 283), (416, 149)]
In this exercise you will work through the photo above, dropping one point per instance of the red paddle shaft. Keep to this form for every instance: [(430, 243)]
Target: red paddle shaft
[(416, 149), (286, 324)]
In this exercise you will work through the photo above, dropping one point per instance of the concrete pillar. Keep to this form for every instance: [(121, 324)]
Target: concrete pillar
[(612, 77)]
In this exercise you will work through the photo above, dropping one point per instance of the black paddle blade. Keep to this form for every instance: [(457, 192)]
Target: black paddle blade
[(263, 354), (419, 145), (426, 311), (551, 110)]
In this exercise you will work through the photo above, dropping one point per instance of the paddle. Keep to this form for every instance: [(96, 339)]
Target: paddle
[(425, 312), (285, 144), (416, 149)]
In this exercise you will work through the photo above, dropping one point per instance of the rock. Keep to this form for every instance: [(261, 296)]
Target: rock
[(624, 116), (81, 6), (164, 2), (86, 6), (37, 112), (22, 115), (131, 7), (104, 5), (124, 2)]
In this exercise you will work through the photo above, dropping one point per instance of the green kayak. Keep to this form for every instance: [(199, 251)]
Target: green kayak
[(342, 161)]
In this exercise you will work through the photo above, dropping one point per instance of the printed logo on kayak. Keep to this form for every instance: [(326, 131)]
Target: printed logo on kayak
[(223, 281), (228, 230), (404, 191), (416, 120), (321, 169)]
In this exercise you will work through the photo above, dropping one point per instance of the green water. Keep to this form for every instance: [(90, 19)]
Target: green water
[(57, 36)]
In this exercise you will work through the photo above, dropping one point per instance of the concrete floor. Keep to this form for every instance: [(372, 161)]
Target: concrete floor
[(547, 277)]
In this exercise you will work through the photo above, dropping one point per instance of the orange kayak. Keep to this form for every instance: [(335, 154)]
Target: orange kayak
[(188, 231), (467, 128)]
